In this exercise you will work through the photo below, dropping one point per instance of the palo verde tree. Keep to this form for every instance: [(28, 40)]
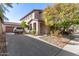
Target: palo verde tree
[(68, 14), (51, 18), (61, 15)]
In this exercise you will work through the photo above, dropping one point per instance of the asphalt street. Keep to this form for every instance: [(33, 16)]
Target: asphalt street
[(19, 45)]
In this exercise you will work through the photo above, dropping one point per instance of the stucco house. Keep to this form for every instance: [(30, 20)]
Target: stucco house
[(35, 22), (9, 26)]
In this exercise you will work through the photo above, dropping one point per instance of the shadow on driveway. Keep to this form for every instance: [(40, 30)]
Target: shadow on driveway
[(19, 45)]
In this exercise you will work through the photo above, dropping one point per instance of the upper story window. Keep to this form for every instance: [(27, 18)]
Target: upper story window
[(37, 14), (34, 15), (29, 16)]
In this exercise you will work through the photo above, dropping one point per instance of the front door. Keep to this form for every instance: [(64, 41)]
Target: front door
[(34, 27)]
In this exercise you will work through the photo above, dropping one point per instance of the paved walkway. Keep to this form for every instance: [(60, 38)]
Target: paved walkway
[(73, 45)]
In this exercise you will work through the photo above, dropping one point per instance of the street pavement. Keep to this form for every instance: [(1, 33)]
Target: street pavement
[(20, 45)]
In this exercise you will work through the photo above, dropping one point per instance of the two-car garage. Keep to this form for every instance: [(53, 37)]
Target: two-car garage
[(9, 26)]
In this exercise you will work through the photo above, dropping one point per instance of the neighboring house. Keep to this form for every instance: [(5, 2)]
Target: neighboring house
[(35, 22), (9, 26)]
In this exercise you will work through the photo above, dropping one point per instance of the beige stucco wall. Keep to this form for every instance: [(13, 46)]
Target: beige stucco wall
[(35, 16), (29, 17), (37, 26)]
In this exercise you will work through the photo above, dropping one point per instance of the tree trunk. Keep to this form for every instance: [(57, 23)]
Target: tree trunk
[(1, 28), (3, 49)]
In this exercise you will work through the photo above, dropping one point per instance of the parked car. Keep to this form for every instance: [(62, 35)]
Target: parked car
[(18, 30)]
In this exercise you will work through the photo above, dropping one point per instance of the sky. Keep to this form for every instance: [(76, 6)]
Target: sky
[(21, 9)]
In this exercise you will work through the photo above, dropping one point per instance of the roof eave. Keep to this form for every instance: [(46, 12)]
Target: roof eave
[(30, 13)]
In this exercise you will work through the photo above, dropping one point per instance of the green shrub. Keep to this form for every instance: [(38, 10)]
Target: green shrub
[(33, 32)]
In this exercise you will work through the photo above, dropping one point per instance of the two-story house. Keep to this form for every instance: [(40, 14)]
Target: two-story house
[(35, 21)]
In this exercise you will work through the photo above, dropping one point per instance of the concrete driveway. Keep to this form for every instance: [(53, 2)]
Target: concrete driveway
[(19, 45)]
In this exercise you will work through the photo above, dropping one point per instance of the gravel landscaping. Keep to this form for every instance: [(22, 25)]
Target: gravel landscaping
[(59, 41)]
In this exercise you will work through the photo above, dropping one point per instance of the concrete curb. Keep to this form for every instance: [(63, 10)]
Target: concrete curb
[(36, 37)]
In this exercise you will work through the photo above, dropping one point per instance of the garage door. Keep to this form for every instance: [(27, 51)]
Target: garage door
[(9, 29)]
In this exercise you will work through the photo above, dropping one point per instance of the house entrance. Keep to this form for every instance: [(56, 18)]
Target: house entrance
[(34, 27)]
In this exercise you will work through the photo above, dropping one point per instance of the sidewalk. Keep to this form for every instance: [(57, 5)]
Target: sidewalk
[(73, 45)]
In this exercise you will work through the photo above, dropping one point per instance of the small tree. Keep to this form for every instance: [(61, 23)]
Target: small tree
[(24, 24)]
